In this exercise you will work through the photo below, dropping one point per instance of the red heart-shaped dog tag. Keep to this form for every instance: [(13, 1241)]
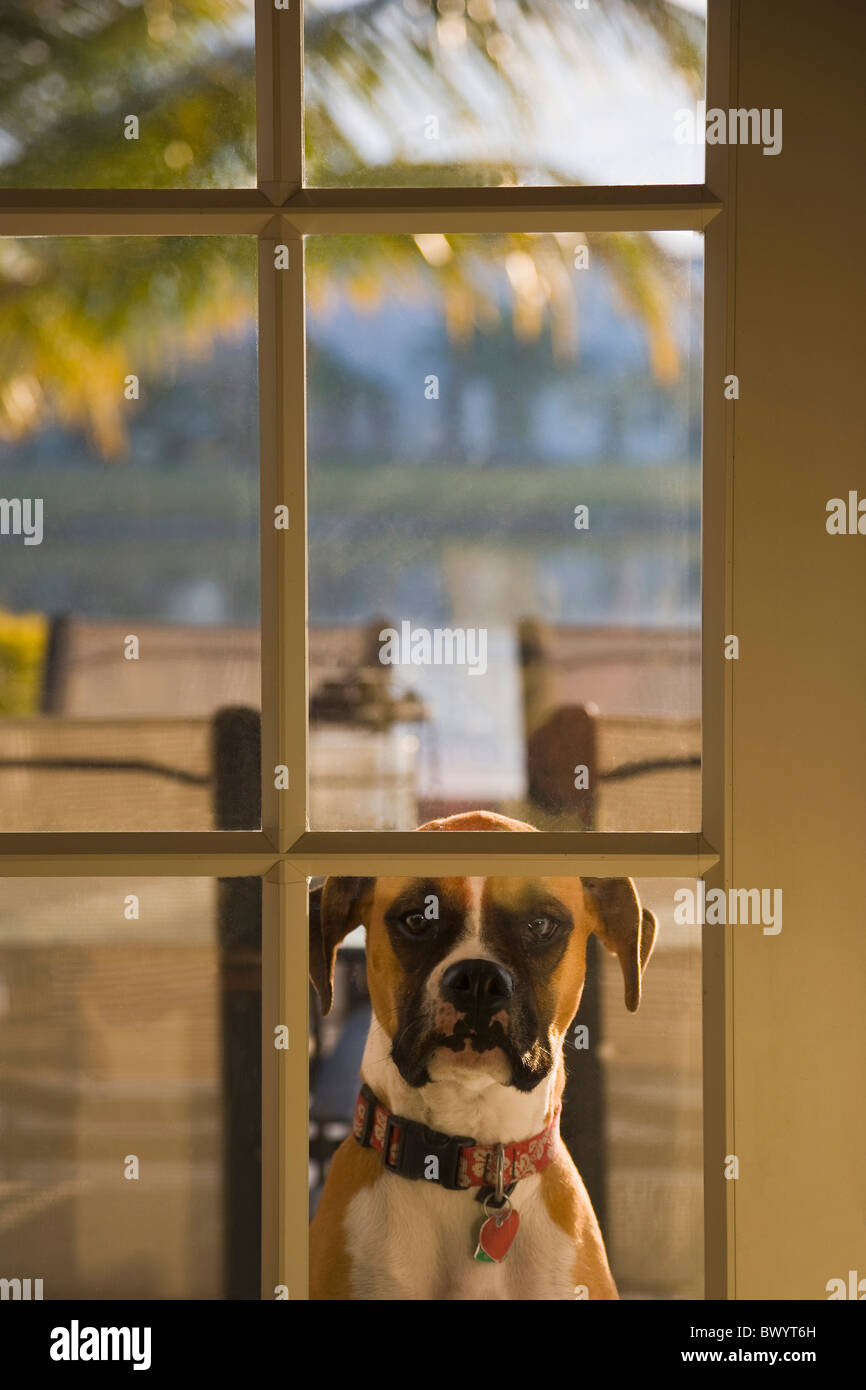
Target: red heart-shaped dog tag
[(494, 1239)]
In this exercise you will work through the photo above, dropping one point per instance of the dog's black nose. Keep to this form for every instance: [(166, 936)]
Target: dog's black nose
[(477, 988)]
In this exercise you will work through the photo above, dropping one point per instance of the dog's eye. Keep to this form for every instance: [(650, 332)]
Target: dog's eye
[(542, 928), (415, 923)]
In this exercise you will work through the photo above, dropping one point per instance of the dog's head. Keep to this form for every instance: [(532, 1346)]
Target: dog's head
[(479, 975)]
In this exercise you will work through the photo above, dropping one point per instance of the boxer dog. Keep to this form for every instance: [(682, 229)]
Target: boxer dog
[(455, 1183)]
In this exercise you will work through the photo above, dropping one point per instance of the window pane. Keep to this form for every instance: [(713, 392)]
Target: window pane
[(159, 94), (492, 92), (504, 465), (130, 1046), (632, 1107), (129, 591)]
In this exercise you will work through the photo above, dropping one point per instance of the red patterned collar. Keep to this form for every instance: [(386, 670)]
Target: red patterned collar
[(408, 1148)]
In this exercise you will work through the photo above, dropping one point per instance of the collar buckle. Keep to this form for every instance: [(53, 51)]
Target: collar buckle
[(370, 1103), (417, 1145)]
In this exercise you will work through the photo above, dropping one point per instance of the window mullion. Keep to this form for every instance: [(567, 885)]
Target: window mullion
[(671, 855), (279, 98), (282, 407), (285, 1075), (155, 854)]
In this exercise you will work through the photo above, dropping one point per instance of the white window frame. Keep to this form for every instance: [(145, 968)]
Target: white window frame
[(280, 210)]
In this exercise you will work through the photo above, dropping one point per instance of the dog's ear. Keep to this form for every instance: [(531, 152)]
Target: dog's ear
[(336, 906), (624, 927)]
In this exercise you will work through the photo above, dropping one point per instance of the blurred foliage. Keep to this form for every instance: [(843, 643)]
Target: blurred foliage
[(465, 274), (71, 70), (23, 642), (78, 315), (454, 54)]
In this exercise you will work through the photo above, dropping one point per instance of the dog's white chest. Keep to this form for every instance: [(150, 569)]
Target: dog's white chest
[(412, 1240)]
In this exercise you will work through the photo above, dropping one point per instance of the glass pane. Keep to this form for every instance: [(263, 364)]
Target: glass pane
[(125, 94), (492, 92), (632, 1099), (130, 1045), (504, 467), (129, 589)]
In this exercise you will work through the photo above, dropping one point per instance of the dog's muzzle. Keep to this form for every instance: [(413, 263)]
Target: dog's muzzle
[(478, 1008), (478, 990)]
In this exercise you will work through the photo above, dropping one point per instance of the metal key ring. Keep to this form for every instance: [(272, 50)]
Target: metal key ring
[(499, 1172), (498, 1213)]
